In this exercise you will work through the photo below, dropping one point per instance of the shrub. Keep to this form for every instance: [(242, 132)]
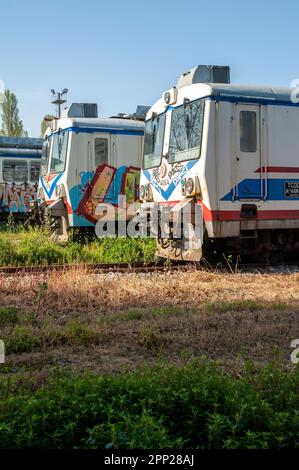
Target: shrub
[(8, 316), (149, 336), (74, 333), (195, 406), (22, 339)]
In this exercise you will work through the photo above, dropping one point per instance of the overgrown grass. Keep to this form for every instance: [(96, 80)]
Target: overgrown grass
[(27, 336), (22, 339), (34, 247), (147, 313), (195, 406), (8, 316), (239, 306)]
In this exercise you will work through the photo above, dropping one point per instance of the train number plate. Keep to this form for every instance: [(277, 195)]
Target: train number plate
[(291, 189)]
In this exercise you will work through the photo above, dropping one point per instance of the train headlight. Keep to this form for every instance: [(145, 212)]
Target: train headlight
[(167, 97), (170, 96), (189, 186), (142, 192), (148, 193), (41, 193), (59, 190)]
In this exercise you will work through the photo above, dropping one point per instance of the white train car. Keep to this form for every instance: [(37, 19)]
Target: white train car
[(19, 173), (232, 151), (87, 162)]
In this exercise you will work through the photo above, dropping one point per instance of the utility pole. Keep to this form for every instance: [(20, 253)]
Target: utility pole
[(58, 100)]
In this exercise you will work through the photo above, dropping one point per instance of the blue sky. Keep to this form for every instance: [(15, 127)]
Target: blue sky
[(123, 53)]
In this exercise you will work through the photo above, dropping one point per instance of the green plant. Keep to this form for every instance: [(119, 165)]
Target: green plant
[(79, 334), (149, 336), (34, 246), (10, 223), (233, 306), (8, 316), (196, 406), (147, 313), (22, 339)]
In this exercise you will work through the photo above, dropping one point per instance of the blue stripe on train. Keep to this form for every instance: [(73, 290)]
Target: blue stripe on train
[(92, 130), (49, 191), (251, 188), (166, 193)]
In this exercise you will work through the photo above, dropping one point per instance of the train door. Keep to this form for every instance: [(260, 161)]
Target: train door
[(100, 170), (113, 162), (248, 184)]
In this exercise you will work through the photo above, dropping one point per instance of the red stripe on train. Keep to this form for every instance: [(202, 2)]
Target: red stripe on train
[(223, 215), (278, 169)]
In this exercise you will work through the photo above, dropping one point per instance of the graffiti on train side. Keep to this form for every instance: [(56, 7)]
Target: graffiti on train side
[(105, 185), (17, 197)]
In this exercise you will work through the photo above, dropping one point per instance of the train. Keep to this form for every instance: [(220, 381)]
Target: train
[(88, 161), (20, 160), (229, 154)]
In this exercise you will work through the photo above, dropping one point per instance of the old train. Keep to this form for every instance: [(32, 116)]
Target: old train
[(231, 154), (20, 159), (89, 161)]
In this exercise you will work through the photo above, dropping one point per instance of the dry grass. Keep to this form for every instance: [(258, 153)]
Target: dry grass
[(79, 291), (145, 317)]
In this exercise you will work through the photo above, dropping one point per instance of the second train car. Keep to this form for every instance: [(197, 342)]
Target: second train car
[(89, 161)]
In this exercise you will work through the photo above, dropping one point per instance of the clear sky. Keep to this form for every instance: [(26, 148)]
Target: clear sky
[(123, 53)]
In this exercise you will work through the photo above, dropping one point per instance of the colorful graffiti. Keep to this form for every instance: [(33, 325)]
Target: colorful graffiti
[(106, 185), (17, 197)]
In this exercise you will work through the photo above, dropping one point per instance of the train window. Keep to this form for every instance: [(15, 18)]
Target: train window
[(34, 171), (100, 151), (153, 141), (15, 171), (186, 131), (248, 131), (45, 155), (59, 151)]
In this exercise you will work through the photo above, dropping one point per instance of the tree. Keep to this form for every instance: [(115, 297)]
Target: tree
[(45, 124), (11, 123)]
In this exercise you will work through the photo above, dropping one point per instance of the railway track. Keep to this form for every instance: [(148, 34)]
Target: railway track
[(145, 268), (93, 268)]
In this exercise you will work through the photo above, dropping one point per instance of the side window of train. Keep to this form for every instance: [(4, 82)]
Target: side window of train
[(34, 171), (15, 171), (100, 151), (248, 131)]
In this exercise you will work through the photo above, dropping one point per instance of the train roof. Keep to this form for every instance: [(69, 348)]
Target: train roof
[(260, 92), (254, 94), (102, 123), (20, 142)]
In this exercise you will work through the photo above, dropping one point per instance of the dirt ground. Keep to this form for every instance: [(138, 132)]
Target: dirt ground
[(143, 318)]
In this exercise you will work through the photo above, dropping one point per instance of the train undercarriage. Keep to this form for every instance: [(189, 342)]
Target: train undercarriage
[(262, 245)]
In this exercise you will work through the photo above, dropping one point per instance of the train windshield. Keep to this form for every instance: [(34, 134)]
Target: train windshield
[(153, 141), (59, 151), (45, 155), (186, 131)]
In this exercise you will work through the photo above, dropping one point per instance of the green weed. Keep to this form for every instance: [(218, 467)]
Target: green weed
[(22, 339), (35, 247), (8, 316), (196, 406)]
